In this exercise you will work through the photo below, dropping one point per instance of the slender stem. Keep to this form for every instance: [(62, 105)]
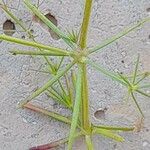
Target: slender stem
[(85, 24), (48, 22), (136, 69), (145, 94), (106, 72), (89, 142), (115, 128), (82, 42), (46, 86), (85, 101), (32, 44), (37, 53), (108, 134), (118, 36), (18, 22), (137, 105)]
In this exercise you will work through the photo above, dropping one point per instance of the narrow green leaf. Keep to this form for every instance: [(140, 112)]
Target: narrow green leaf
[(118, 36), (18, 22), (145, 94), (55, 96), (73, 36), (60, 63), (48, 22), (75, 109), (145, 75), (115, 128), (41, 53), (46, 86), (32, 44), (137, 105), (108, 134), (136, 69), (69, 89), (125, 79), (105, 72)]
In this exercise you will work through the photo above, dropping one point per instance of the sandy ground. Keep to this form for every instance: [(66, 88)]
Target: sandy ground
[(22, 129)]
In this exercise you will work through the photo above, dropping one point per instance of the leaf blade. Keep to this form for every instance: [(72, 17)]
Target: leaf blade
[(48, 84), (76, 108)]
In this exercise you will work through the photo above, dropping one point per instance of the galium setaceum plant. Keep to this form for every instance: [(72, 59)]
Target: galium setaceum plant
[(73, 94)]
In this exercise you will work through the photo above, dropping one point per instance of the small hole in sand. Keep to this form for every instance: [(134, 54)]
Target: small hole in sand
[(32, 31), (100, 114), (23, 37), (9, 27), (53, 20), (122, 61), (148, 10)]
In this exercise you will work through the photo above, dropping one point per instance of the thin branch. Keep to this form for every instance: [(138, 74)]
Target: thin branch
[(118, 36), (46, 86), (85, 24), (136, 69), (37, 53), (48, 22), (137, 105), (106, 72), (32, 44)]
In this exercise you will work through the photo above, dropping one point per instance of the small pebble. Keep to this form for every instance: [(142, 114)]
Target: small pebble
[(123, 53), (145, 143)]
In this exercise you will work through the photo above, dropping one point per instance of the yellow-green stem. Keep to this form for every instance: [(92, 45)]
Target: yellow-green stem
[(82, 42), (85, 24), (85, 101)]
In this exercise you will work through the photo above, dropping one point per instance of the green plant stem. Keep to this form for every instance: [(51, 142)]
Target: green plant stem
[(85, 101), (115, 128), (106, 72), (89, 142), (136, 69), (137, 105), (82, 42), (48, 22), (47, 85), (36, 53), (85, 24), (108, 134), (76, 108), (32, 44), (118, 36), (145, 94), (9, 13)]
